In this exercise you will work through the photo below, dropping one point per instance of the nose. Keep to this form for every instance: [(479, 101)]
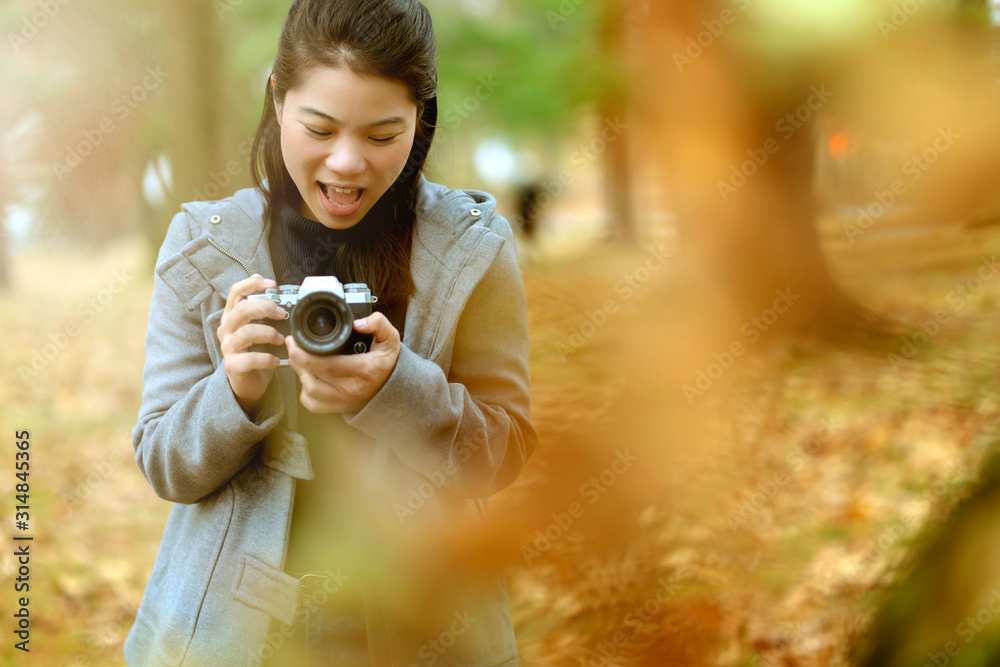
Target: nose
[(346, 158)]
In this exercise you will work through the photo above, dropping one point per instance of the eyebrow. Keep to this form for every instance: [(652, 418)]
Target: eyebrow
[(335, 121)]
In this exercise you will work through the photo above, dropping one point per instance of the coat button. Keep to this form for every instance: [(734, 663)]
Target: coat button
[(476, 212), (216, 219)]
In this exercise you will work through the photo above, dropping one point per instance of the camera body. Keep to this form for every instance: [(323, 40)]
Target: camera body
[(321, 316)]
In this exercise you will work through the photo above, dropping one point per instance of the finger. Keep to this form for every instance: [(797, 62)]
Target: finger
[(328, 368), (255, 284), (319, 397), (251, 334), (242, 365), (315, 405), (315, 387), (379, 325), (248, 311)]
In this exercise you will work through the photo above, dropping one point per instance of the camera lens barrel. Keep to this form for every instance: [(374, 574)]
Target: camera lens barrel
[(322, 323), (322, 316)]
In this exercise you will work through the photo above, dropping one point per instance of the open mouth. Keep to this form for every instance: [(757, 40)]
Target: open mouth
[(341, 197)]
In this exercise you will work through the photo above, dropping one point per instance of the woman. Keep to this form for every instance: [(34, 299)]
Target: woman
[(376, 452)]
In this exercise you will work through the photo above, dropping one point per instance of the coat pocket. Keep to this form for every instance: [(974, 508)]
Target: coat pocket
[(263, 587), (189, 554)]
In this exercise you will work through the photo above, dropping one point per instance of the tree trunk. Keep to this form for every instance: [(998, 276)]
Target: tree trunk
[(740, 140), (198, 99), (618, 176), (5, 281), (613, 130)]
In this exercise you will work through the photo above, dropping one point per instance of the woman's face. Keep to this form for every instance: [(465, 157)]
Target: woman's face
[(345, 138)]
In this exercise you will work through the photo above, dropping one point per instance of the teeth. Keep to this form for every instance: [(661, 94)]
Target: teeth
[(341, 197)]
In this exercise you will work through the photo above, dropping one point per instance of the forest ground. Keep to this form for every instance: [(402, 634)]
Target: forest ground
[(852, 454)]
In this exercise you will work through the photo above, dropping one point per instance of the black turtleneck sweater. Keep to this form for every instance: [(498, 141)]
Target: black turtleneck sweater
[(325, 533), (301, 247)]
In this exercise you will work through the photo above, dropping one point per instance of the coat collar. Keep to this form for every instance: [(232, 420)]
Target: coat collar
[(453, 246)]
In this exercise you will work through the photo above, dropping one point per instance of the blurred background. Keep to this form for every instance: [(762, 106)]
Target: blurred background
[(759, 242)]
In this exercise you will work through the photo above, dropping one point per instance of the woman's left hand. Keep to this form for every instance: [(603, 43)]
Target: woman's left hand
[(346, 382)]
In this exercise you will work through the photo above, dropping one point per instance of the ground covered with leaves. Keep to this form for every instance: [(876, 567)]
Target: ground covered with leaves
[(755, 525)]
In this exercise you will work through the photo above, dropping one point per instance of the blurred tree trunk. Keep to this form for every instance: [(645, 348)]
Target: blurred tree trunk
[(7, 187), (198, 98), (5, 200), (618, 174), (613, 130), (744, 170), (773, 245)]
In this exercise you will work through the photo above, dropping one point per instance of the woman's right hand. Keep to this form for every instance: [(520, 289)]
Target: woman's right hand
[(249, 373)]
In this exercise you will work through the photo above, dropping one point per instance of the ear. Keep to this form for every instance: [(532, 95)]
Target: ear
[(277, 106)]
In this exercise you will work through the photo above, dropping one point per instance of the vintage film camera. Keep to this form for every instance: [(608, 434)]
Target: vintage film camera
[(321, 317)]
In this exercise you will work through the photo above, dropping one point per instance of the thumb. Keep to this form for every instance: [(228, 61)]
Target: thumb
[(379, 325)]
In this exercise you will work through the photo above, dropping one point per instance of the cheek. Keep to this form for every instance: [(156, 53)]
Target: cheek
[(395, 160), (288, 151), (295, 151)]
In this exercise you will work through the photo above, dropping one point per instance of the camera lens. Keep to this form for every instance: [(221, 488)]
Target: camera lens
[(321, 322)]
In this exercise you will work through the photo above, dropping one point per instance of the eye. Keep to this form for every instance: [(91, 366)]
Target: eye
[(383, 141), (316, 133)]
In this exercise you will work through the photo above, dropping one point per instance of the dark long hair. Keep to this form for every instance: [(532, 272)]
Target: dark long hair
[(392, 39)]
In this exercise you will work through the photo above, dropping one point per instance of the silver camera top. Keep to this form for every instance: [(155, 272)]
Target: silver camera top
[(289, 295), (321, 284), (358, 293)]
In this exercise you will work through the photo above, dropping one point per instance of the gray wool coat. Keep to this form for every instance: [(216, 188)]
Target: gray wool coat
[(455, 410)]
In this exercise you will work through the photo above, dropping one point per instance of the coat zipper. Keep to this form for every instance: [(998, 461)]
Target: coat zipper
[(230, 256), (388, 637)]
